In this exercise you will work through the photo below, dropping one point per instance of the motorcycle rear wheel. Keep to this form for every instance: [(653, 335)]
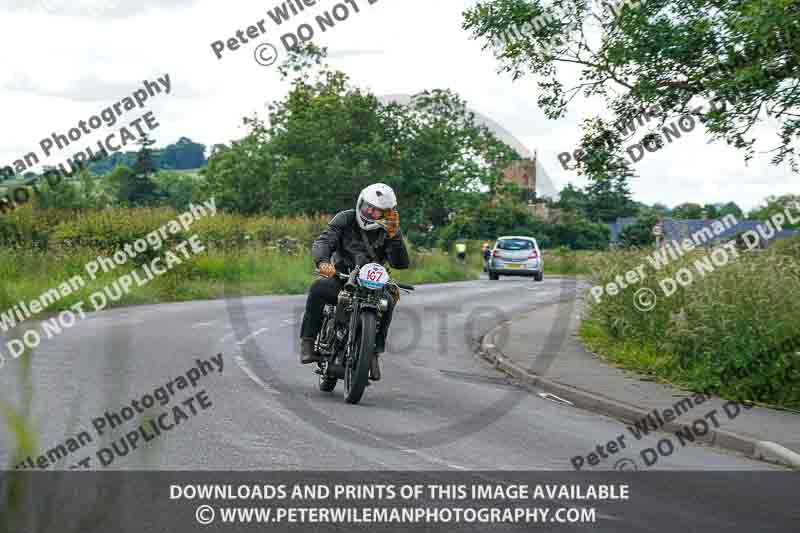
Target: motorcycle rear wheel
[(356, 373)]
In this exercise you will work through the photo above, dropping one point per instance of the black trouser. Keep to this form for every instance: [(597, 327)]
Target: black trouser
[(326, 291)]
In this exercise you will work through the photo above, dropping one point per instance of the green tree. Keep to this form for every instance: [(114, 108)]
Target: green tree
[(641, 233), (778, 204), (503, 215), (326, 140), (688, 210), (719, 210), (130, 190), (711, 211), (144, 167), (572, 198), (661, 209), (178, 189), (183, 155), (601, 201), (134, 187), (609, 199), (578, 234), (81, 191), (731, 209), (656, 59), (59, 194)]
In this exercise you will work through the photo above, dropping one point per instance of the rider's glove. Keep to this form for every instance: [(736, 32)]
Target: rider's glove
[(327, 270), (395, 292), (392, 226)]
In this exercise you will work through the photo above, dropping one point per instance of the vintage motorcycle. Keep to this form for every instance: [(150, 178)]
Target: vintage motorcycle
[(346, 341)]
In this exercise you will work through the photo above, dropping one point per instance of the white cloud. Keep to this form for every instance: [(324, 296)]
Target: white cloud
[(62, 65)]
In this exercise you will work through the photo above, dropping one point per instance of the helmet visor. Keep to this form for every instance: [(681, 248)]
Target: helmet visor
[(372, 213)]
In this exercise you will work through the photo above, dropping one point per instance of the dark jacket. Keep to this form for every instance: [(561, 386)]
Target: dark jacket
[(342, 241)]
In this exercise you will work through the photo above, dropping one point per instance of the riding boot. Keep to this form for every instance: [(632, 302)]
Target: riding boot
[(380, 343), (375, 367), (307, 353)]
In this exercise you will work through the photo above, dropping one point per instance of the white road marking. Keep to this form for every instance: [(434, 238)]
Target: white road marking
[(252, 336), (554, 398), (252, 375), (226, 337), (422, 455), (203, 324)]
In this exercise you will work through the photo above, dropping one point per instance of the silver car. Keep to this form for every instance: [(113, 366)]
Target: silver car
[(516, 256)]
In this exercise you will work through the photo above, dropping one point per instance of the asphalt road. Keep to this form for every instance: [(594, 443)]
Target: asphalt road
[(439, 407)]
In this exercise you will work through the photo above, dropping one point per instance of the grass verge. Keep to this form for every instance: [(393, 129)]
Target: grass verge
[(27, 274), (733, 331)]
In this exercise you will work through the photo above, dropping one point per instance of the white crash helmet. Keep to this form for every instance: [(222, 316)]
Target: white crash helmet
[(372, 205)]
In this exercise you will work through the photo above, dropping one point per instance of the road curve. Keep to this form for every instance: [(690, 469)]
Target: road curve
[(440, 407)]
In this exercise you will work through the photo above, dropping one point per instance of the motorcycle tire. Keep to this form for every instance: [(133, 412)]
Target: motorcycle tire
[(356, 375)]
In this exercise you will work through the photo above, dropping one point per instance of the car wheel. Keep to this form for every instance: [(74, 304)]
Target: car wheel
[(493, 276), (539, 276)]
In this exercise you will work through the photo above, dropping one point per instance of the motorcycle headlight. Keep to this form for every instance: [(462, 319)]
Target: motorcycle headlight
[(384, 304)]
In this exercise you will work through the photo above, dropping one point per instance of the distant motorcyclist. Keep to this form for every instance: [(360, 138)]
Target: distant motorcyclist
[(461, 250), (486, 252), (370, 233)]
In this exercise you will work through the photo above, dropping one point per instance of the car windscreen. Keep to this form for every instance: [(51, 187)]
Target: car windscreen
[(515, 244)]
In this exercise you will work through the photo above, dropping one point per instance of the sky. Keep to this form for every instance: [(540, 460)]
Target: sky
[(66, 60)]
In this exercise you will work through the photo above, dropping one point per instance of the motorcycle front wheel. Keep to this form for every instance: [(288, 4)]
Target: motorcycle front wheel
[(356, 373)]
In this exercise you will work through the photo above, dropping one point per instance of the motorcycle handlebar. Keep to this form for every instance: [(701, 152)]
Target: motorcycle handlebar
[(404, 286), (338, 274)]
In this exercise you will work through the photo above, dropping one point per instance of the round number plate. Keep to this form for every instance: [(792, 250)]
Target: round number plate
[(373, 276)]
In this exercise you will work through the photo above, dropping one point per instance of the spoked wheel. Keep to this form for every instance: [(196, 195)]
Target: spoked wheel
[(356, 372)]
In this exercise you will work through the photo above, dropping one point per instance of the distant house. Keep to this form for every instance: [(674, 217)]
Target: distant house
[(523, 173), (704, 232)]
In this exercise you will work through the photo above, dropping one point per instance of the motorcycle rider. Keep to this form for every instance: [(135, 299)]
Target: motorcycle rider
[(370, 233)]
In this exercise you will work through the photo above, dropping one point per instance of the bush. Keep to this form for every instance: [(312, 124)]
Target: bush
[(507, 217), (735, 332), (243, 255), (110, 229), (640, 233)]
